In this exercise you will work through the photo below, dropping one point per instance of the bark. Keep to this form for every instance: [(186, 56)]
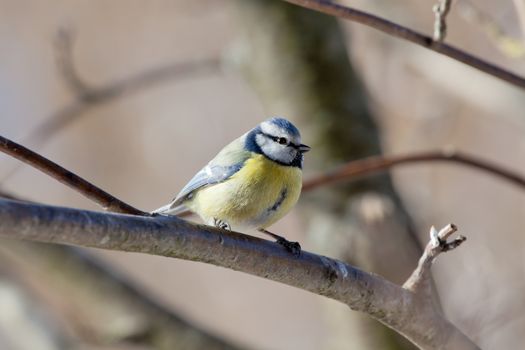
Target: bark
[(399, 308)]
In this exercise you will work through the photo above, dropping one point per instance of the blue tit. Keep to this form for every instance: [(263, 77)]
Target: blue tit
[(252, 182)]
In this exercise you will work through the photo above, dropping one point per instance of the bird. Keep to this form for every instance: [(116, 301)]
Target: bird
[(250, 184)]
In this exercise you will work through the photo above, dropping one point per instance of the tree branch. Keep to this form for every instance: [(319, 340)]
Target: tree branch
[(419, 281), (96, 194), (401, 309), (396, 30), (348, 171), (368, 166), (89, 95), (63, 49), (441, 10), (393, 305)]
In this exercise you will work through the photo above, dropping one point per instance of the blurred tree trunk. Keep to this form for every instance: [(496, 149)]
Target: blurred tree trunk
[(88, 306), (297, 62)]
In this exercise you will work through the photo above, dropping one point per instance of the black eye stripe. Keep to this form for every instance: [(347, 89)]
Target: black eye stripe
[(252, 144), (277, 139)]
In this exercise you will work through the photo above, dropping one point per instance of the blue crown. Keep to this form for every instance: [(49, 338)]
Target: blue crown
[(284, 124)]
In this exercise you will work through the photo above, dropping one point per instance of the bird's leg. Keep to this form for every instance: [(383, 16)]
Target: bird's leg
[(223, 225), (292, 247)]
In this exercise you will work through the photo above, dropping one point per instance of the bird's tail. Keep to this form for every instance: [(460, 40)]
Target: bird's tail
[(170, 209)]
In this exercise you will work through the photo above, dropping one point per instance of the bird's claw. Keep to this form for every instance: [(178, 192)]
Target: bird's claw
[(292, 247), (223, 225)]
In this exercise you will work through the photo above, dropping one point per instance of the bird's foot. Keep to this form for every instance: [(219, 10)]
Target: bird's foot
[(292, 247), (223, 225)]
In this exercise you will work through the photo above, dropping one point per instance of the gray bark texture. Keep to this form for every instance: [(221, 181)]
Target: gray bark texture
[(399, 308)]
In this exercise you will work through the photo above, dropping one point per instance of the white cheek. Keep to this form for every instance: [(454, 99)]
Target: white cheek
[(278, 152), (261, 140), (271, 149)]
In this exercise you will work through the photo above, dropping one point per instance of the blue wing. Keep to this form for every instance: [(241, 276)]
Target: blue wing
[(209, 175), (229, 161)]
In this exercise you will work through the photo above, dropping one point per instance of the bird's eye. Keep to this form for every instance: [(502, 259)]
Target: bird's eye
[(282, 140)]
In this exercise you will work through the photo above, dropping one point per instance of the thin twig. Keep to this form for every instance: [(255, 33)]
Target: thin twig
[(99, 196), (368, 166), (405, 33), (63, 49), (89, 95), (348, 171), (419, 281), (112, 91), (397, 307), (441, 10)]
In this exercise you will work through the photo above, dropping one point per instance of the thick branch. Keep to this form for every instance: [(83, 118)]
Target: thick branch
[(172, 237), (333, 9), (376, 164), (99, 196)]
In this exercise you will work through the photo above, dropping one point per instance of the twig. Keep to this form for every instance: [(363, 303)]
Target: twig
[(419, 281), (104, 94), (88, 95), (176, 238), (348, 171), (63, 45), (40, 262), (393, 305), (376, 164), (441, 10), (399, 31), (99, 196)]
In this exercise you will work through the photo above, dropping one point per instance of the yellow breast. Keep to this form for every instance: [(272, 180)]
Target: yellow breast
[(256, 196)]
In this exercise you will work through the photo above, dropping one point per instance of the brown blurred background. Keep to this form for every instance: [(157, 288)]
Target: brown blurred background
[(143, 146)]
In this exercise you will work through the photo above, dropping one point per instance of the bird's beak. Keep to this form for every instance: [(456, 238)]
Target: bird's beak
[(303, 148)]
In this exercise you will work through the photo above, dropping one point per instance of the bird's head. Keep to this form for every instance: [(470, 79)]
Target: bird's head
[(278, 140)]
